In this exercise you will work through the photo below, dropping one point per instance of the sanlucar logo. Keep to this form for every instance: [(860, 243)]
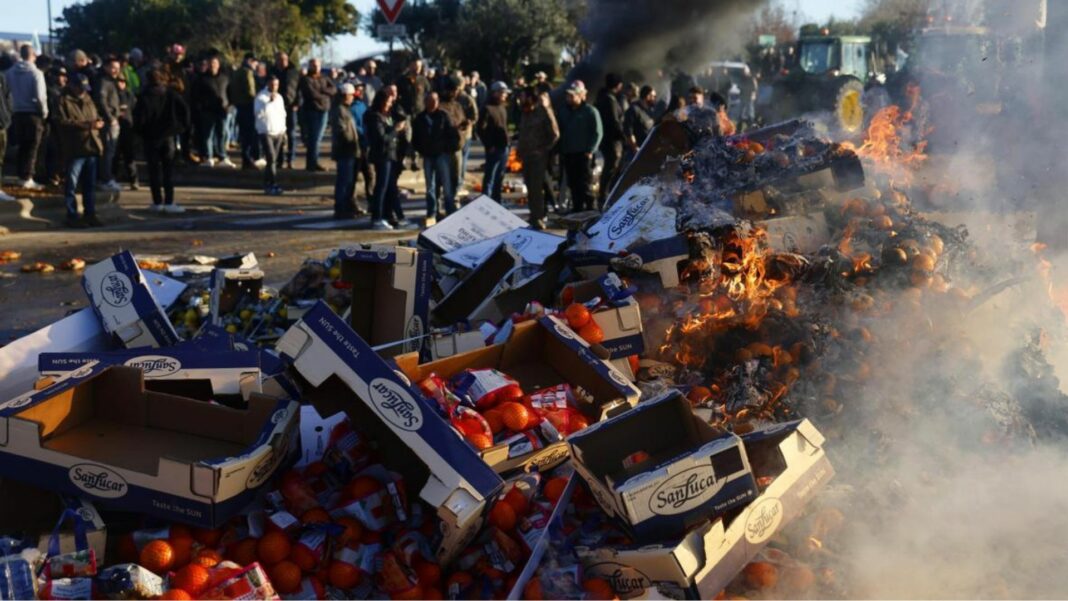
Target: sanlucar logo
[(116, 289), (624, 221), (618, 377), (395, 404), (763, 520), (97, 480), (564, 331), (626, 581), (155, 366), (684, 491), (413, 333)]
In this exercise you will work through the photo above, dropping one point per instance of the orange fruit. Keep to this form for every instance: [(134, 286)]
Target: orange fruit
[(532, 590), (157, 556), (592, 333), (554, 488), (273, 548), (577, 315), (243, 552), (183, 551), (316, 586), (635, 365), (493, 418), (206, 537), (480, 441), (761, 575), (176, 594), (316, 468), (353, 530), (416, 592), (209, 558), (515, 416), (429, 573), (343, 575), (432, 594), (361, 487), (598, 588), (285, 576), (518, 501), (698, 394), (502, 516), (192, 579), (221, 575), (303, 557), (317, 515)]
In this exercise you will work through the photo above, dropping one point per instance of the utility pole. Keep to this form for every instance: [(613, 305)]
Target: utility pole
[(51, 38)]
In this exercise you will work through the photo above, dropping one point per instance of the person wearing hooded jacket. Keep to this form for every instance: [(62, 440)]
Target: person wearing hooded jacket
[(29, 111)]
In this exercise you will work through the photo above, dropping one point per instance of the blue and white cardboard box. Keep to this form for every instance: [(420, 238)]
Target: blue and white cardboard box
[(98, 433), (121, 296), (700, 564), (341, 372), (638, 227), (478, 220), (229, 287), (620, 319), (390, 295), (659, 469), (533, 246)]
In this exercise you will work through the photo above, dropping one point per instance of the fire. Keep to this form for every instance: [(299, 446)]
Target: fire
[(514, 165), (886, 144)]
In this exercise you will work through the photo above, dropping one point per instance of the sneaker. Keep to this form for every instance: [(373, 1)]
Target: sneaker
[(208, 163), (6, 196), (537, 224), (278, 191), (134, 186), (92, 221), (227, 163), (317, 168), (174, 208), (406, 224), (29, 184), (430, 221), (155, 208), (260, 163), (381, 225)]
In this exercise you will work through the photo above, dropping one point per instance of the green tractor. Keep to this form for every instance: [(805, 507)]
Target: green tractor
[(828, 74)]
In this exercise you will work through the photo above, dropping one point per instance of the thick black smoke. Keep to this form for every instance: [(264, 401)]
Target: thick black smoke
[(644, 36)]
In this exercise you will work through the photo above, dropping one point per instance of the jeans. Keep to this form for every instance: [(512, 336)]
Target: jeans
[(535, 167), (246, 130), (27, 129), (493, 175), (385, 199), (465, 153), (344, 186), (272, 151), (579, 171), (160, 156), (455, 160), (84, 167), (315, 127), (210, 127), (229, 127), (291, 137), (436, 172), (613, 154), (111, 144)]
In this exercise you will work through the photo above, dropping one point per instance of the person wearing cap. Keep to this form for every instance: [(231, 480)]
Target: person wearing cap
[(493, 131), (29, 111), (242, 93), (611, 113), (538, 134), (316, 94), (344, 148), (436, 138), (160, 116), (81, 146), (5, 122), (106, 95), (269, 111), (580, 135), (288, 75)]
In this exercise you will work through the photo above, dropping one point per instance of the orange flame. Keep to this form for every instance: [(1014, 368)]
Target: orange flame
[(884, 145), (514, 165)]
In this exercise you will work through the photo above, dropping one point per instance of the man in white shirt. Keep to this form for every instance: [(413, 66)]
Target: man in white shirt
[(270, 110)]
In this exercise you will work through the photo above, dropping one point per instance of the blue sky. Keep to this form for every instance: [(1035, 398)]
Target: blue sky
[(27, 15)]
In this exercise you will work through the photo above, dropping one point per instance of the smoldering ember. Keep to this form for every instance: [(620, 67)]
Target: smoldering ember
[(551, 299)]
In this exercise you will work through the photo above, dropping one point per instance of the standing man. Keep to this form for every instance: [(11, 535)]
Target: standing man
[(5, 122), (580, 135), (477, 89), (412, 88), (160, 116), (132, 69), (454, 109), (363, 166), (371, 81), (288, 84), (210, 105), (242, 93), (493, 131), (29, 101), (108, 107), (470, 108), (538, 133), (270, 115), (639, 120), (344, 149), (80, 143), (316, 92), (611, 113), (56, 82), (125, 148), (435, 138)]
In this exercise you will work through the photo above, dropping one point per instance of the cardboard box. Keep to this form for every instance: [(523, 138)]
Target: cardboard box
[(341, 372), (447, 345), (224, 376), (478, 220), (231, 287), (98, 433), (621, 320), (390, 295), (122, 297), (539, 354), (477, 288), (705, 560), (797, 234), (533, 246), (32, 513), (660, 470), (537, 552)]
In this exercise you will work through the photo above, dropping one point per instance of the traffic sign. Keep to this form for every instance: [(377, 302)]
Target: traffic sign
[(392, 30), (391, 9)]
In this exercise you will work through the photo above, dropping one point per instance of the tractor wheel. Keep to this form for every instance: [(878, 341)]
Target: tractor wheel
[(849, 106)]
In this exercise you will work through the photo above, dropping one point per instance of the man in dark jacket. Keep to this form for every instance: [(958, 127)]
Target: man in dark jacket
[(412, 88), (106, 96), (611, 113), (56, 82), (5, 122), (29, 111), (344, 149), (242, 92), (210, 105), (538, 134), (493, 131), (125, 153), (316, 92), (580, 134), (288, 76), (639, 119), (382, 137), (79, 140), (160, 115), (435, 138)]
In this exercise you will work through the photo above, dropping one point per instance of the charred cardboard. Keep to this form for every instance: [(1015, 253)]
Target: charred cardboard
[(342, 373), (705, 560), (229, 287), (32, 513), (478, 220), (78, 332), (122, 297), (533, 246), (797, 233), (538, 355), (390, 294), (98, 433), (689, 472)]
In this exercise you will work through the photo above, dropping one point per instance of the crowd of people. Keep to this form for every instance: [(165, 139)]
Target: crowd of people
[(79, 123)]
